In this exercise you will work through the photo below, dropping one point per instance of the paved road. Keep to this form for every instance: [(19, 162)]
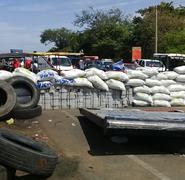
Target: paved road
[(87, 154)]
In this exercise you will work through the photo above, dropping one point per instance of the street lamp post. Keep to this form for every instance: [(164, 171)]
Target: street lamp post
[(156, 30)]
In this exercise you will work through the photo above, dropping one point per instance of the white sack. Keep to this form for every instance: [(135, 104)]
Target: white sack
[(180, 78), (136, 74), (178, 102), (176, 88), (135, 82), (153, 77), (47, 75), (142, 89), (161, 103), (171, 74), (114, 84), (82, 82), (179, 94), (5, 75), (167, 82), (148, 71), (180, 69), (140, 103), (152, 82), (160, 89), (161, 96), (98, 83), (95, 71), (117, 75), (26, 73), (72, 74), (143, 97), (161, 76), (44, 84)]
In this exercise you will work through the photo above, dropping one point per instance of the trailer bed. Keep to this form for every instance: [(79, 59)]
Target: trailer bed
[(136, 120)]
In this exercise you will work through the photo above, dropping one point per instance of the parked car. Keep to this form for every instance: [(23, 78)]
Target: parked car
[(106, 64), (95, 64), (61, 63), (131, 66), (156, 64)]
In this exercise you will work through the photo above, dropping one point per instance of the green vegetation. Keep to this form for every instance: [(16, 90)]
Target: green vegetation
[(111, 34)]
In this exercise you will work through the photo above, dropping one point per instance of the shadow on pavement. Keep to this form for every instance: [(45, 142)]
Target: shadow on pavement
[(102, 145), (30, 177)]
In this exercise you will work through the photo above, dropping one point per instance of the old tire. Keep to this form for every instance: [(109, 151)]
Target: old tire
[(27, 113), (7, 99), (23, 86), (22, 153)]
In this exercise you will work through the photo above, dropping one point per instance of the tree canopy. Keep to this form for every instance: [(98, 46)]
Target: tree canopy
[(111, 34)]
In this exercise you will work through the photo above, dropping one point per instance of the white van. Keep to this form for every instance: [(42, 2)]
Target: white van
[(61, 63), (156, 64)]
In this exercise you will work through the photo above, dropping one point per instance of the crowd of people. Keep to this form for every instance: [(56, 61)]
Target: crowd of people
[(14, 63)]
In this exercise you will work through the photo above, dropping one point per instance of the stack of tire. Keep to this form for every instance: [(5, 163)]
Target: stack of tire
[(19, 98)]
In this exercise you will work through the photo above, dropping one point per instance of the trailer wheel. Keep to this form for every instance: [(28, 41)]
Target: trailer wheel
[(27, 87), (7, 99), (22, 153)]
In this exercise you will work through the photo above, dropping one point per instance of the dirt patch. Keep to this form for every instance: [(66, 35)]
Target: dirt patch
[(67, 168)]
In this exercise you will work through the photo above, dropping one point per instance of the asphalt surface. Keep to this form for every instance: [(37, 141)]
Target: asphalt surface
[(86, 154)]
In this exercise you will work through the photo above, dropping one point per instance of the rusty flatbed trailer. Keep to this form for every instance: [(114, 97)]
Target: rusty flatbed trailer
[(136, 121)]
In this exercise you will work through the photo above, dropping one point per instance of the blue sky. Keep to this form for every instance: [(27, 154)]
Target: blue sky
[(22, 21)]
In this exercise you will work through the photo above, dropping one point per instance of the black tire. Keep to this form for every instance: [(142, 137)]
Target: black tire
[(22, 153), (27, 87), (7, 99), (21, 91), (23, 99), (27, 113)]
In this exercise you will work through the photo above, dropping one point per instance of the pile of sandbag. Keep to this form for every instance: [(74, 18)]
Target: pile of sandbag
[(142, 93), (166, 88), (91, 78), (178, 89)]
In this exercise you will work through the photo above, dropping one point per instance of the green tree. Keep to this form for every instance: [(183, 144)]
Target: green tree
[(63, 39), (106, 33), (171, 25)]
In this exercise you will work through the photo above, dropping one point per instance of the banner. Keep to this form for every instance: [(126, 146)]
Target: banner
[(136, 53)]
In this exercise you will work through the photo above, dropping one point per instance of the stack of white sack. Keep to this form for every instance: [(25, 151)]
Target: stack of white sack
[(148, 71), (181, 74), (47, 75), (160, 94), (94, 71), (115, 84), (117, 75), (46, 78), (98, 83), (142, 96), (26, 73), (116, 80), (72, 74), (5, 75), (136, 78), (177, 90)]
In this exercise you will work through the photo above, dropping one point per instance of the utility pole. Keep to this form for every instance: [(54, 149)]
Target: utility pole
[(156, 30)]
